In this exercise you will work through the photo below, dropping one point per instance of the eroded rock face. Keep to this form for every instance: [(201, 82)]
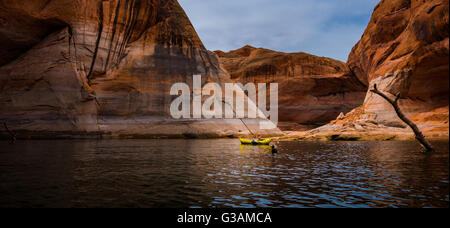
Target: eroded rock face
[(80, 67), (312, 90), (404, 50)]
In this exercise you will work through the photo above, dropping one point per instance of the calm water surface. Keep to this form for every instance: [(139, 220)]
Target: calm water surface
[(221, 173)]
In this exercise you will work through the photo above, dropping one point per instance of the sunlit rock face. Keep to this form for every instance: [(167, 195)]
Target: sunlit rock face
[(312, 90), (81, 67), (405, 51)]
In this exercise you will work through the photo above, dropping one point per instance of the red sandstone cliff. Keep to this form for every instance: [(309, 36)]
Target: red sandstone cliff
[(105, 67), (312, 90), (405, 49), (80, 67)]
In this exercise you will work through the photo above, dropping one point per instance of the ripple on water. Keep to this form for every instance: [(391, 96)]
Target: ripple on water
[(221, 173)]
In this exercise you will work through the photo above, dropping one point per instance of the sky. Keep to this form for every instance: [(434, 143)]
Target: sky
[(327, 28)]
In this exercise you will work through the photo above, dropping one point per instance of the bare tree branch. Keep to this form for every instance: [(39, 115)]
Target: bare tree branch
[(397, 98), (11, 133), (419, 136)]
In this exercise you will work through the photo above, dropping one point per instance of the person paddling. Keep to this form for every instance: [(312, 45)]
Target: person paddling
[(258, 139)]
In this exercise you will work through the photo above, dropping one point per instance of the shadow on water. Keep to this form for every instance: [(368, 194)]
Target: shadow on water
[(222, 173)]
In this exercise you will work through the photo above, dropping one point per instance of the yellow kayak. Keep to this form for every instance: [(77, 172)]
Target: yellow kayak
[(255, 142)]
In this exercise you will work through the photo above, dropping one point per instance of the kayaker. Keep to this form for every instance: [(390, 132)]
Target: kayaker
[(259, 138)]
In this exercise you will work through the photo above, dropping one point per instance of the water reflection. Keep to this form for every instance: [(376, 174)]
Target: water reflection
[(221, 173), (264, 149)]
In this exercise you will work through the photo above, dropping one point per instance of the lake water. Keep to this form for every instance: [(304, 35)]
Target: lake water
[(221, 173)]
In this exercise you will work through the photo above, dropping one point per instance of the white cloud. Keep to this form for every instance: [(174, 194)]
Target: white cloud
[(321, 27)]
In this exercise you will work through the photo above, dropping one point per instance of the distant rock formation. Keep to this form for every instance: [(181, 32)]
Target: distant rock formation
[(404, 50), (75, 68), (312, 90)]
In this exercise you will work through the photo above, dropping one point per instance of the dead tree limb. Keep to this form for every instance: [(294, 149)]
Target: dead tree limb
[(11, 133), (419, 136)]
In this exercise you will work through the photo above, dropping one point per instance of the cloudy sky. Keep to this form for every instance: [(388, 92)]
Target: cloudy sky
[(321, 27)]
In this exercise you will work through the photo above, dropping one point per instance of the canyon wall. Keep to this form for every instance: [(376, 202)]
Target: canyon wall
[(405, 51), (312, 90), (78, 68), (82, 68)]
